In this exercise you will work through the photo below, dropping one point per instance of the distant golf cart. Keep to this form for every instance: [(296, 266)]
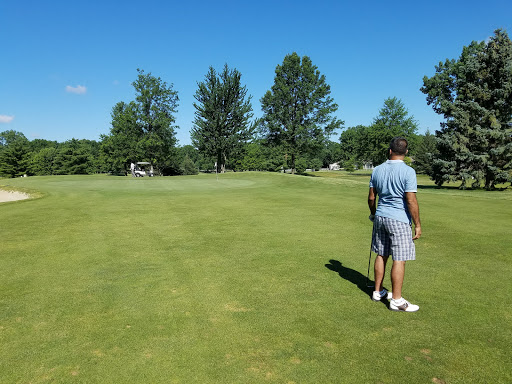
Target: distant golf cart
[(143, 168)]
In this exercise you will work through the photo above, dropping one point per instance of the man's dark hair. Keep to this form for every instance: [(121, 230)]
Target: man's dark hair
[(398, 145)]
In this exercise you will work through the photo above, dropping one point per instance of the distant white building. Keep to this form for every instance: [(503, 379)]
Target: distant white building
[(336, 166)]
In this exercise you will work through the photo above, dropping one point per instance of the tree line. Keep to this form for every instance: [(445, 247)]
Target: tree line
[(473, 145)]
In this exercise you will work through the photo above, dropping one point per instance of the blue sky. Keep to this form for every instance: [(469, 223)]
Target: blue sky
[(65, 64)]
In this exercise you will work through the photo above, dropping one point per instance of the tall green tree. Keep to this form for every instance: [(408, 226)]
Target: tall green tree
[(393, 120), (222, 116), (298, 108), (143, 130), (369, 144), (474, 95), (157, 103)]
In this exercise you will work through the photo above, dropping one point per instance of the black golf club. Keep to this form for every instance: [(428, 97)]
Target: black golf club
[(370, 259)]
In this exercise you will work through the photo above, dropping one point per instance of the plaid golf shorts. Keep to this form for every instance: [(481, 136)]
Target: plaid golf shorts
[(392, 237)]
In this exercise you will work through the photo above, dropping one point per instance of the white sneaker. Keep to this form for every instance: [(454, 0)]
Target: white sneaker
[(378, 296), (402, 305)]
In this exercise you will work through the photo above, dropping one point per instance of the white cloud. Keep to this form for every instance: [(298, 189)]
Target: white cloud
[(6, 119), (79, 89)]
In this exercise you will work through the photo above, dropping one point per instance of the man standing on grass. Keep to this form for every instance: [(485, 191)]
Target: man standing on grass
[(395, 184)]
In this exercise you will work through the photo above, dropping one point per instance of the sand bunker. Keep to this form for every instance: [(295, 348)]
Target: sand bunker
[(12, 196)]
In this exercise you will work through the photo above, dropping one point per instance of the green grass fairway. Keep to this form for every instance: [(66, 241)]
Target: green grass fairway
[(254, 278)]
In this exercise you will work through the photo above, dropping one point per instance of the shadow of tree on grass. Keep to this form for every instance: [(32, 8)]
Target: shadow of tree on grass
[(457, 188), (444, 187)]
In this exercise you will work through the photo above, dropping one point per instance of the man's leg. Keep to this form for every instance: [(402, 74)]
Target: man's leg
[(397, 278), (379, 270)]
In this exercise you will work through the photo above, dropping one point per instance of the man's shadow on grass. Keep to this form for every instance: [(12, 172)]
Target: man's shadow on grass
[(355, 277)]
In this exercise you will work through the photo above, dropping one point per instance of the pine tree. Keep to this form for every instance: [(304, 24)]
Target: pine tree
[(14, 154), (474, 94), (425, 153)]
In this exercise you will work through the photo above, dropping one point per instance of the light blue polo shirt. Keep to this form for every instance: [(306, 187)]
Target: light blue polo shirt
[(391, 180)]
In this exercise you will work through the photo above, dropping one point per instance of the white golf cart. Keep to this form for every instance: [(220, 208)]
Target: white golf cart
[(143, 168)]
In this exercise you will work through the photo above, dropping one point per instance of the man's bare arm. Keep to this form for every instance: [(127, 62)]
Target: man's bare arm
[(414, 210), (372, 200)]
